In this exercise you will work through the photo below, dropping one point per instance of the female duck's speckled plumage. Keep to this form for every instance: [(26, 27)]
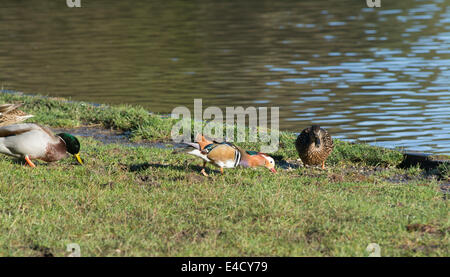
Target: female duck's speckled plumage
[(32, 141), (314, 145), (9, 114)]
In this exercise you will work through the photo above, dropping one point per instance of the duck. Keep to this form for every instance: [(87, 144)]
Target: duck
[(32, 141), (227, 155), (314, 145), (9, 114)]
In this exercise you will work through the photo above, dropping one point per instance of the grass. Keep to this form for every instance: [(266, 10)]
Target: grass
[(142, 201), (444, 171)]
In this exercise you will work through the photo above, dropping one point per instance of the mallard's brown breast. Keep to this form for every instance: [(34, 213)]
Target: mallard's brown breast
[(55, 152)]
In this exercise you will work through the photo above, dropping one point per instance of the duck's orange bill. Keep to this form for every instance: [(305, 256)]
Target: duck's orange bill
[(77, 156), (273, 170)]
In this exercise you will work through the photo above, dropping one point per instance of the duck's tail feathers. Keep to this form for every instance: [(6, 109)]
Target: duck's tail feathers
[(193, 145), (191, 149), (24, 117), (187, 147)]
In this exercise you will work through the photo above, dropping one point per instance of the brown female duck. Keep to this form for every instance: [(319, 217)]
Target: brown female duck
[(314, 145), (9, 114)]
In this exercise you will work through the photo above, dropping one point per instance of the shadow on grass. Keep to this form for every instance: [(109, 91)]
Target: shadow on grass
[(146, 165), (21, 161), (280, 162)]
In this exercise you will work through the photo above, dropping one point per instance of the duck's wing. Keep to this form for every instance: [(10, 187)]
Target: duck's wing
[(191, 148), (303, 141), (328, 141), (225, 153), (17, 129)]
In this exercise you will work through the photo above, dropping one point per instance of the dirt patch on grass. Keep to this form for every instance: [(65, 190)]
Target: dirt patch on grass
[(148, 181), (42, 250), (362, 175), (192, 235), (424, 228), (313, 235), (424, 249), (192, 177), (123, 167), (336, 178), (195, 178), (108, 185)]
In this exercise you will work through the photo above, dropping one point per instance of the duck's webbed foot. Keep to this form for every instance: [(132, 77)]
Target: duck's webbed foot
[(29, 162)]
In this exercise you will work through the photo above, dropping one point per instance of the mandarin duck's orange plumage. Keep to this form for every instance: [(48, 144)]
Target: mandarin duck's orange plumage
[(314, 145), (227, 155)]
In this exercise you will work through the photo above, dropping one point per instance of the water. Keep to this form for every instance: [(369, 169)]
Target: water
[(379, 75)]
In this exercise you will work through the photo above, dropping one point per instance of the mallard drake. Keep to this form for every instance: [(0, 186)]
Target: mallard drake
[(32, 141), (313, 145), (9, 114), (227, 155)]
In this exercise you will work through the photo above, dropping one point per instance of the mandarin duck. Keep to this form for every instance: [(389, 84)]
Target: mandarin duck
[(227, 155), (32, 141), (314, 145), (9, 114)]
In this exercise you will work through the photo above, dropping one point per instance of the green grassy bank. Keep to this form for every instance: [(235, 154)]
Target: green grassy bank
[(142, 201)]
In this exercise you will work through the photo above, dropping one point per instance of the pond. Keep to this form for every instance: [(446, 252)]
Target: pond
[(378, 75)]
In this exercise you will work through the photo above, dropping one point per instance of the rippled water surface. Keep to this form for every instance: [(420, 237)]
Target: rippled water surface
[(380, 75)]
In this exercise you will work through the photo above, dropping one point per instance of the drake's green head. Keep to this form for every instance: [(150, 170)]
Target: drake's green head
[(72, 145)]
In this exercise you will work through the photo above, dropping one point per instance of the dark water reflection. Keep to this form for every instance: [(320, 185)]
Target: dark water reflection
[(377, 75)]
